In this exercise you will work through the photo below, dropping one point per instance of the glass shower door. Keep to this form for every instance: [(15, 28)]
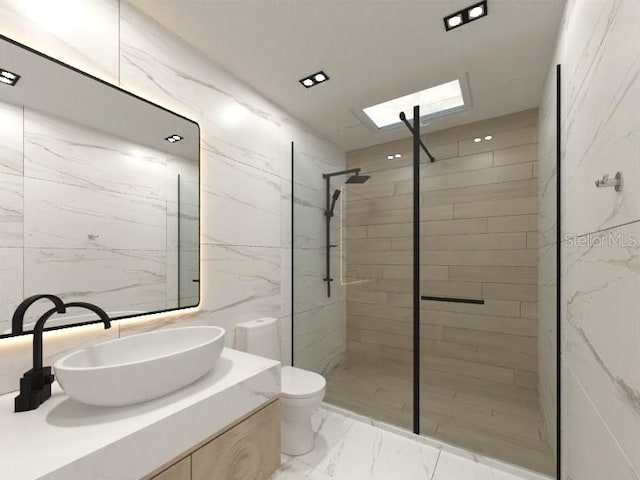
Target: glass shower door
[(478, 313), (359, 336)]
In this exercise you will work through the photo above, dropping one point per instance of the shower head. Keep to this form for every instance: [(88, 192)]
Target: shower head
[(335, 197), (357, 179)]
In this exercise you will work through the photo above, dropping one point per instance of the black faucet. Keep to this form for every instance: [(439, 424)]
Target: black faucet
[(35, 385)]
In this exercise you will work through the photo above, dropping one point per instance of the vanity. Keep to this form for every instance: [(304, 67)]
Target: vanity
[(225, 425)]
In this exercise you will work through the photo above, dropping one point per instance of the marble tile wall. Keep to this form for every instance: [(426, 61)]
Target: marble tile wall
[(246, 171), (600, 58)]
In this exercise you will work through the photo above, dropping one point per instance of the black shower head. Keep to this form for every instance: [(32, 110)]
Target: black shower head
[(358, 179), (336, 195)]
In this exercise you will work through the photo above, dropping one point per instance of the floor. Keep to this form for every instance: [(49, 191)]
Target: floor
[(494, 420), (349, 449)]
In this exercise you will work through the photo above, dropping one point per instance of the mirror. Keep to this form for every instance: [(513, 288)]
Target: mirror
[(99, 194)]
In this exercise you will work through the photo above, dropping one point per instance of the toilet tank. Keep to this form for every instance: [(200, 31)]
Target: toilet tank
[(259, 337)]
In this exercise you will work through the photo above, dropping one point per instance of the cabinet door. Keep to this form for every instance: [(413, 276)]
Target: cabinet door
[(248, 451), (177, 471)]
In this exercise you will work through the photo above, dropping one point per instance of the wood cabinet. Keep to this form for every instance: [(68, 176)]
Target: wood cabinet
[(249, 450)]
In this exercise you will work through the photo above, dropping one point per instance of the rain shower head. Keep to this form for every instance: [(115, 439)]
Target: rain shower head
[(358, 179)]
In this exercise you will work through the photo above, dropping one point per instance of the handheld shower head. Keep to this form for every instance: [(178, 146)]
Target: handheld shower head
[(334, 199)]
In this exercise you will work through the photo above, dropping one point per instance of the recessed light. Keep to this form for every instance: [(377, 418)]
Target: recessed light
[(467, 15), (314, 79), (488, 137), (454, 21), (434, 101), (389, 157), (9, 78), (173, 138), (475, 12), (477, 139), (398, 155)]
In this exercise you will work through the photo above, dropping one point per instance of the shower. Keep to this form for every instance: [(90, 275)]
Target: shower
[(354, 179)]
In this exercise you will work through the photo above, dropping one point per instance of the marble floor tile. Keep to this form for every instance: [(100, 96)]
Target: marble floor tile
[(454, 467), (348, 448)]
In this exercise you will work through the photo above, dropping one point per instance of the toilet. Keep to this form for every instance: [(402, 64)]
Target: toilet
[(302, 391)]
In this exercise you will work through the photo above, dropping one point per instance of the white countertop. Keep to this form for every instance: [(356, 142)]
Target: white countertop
[(66, 440)]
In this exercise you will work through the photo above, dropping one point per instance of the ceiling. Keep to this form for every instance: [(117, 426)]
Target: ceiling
[(372, 50)]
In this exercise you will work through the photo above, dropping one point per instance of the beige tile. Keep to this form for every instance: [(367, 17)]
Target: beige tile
[(496, 208), (493, 340), (513, 258), (519, 223), (507, 173), (488, 323), (526, 379), (396, 230), (356, 232), (500, 141), (520, 154), (532, 239), (529, 310), (526, 275), (480, 193), (516, 360), (500, 241), (507, 291)]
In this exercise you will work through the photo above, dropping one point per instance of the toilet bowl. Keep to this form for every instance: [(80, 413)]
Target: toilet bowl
[(302, 391)]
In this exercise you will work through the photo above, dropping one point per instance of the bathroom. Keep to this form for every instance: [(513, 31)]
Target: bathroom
[(470, 317)]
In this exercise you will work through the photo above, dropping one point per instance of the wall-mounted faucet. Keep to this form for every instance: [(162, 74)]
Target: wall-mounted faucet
[(35, 385)]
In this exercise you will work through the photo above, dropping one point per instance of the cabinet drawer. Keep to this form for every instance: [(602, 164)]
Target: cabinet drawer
[(248, 451), (177, 471)]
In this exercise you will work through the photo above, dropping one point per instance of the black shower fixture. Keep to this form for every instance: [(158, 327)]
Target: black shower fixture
[(466, 15), (315, 79), (335, 197), (357, 179), (354, 179)]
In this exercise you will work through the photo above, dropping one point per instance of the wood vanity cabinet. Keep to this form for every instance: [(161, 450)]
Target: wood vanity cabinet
[(248, 450)]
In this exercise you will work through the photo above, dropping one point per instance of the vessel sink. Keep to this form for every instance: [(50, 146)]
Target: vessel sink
[(141, 367)]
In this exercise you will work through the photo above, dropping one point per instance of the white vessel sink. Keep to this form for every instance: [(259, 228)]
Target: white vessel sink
[(141, 367)]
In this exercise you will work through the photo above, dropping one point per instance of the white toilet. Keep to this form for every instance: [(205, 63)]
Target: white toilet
[(301, 391)]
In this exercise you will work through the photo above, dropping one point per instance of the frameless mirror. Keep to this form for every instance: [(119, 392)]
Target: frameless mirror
[(99, 194)]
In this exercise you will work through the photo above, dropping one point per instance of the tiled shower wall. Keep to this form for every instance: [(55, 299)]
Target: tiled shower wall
[(245, 155), (599, 52), (479, 240)]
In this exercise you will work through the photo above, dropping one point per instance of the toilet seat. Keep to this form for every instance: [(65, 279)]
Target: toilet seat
[(298, 383)]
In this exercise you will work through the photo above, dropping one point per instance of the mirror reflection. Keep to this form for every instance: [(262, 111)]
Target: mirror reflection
[(99, 194)]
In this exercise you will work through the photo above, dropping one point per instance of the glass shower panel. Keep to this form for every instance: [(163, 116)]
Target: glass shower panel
[(479, 281), (358, 334)]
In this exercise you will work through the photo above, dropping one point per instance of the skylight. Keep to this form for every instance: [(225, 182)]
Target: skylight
[(434, 101)]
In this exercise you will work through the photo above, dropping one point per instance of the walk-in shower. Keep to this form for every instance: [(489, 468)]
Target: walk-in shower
[(355, 178), (434, 324)]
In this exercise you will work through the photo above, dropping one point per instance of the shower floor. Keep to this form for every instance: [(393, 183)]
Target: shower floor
[(495, 420)]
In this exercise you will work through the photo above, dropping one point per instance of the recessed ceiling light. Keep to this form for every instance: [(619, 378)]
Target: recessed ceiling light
[(476, 12), (434, 101), (467, 15), (389, 157), (454, 21), (398, 155), (477, 139), (488, 137), (173, 138), (9, 78), (314, 79)]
